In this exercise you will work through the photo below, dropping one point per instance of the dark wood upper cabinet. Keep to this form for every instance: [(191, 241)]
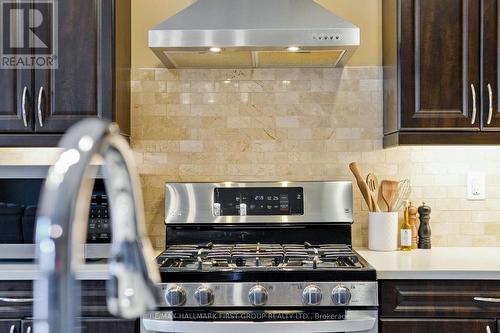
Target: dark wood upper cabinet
[(491, 64), (92, 78), (77, 88), (15, 113), (438, 57)]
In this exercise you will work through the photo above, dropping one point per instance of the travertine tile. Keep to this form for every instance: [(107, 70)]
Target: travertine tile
[(296, 124)]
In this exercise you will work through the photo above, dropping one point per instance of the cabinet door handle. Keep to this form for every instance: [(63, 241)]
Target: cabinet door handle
[(29, 330), (16, 300), (12, 328), (490, 109), (40, 96), (474, 106), (487, 299), (488, 329), (23, 108)]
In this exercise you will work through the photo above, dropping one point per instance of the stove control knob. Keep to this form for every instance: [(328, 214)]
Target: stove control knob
[(341, 295), (175, 296), (204, 296), (217, 210), (312, 295), (258, 295)]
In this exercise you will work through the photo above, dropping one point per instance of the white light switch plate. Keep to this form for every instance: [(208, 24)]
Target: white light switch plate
[(476, 186)]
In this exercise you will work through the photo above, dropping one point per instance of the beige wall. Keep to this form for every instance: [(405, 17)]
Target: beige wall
[(364, 13)]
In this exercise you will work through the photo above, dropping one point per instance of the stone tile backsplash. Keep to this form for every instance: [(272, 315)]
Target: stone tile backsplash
[(298, 124)]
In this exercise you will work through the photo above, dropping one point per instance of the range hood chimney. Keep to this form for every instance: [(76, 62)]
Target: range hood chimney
[(254, 34)]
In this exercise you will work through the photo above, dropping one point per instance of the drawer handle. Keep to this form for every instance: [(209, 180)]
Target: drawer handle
[(12, 328), (487, 299), (16, 300)]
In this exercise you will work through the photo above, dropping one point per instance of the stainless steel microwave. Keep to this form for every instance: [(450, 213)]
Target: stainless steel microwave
[(20, 189)]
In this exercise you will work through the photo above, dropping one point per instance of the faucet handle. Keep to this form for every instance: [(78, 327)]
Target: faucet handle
[(131, 290)]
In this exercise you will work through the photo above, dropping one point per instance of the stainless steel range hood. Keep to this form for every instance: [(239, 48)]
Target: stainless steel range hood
[(254, 34)]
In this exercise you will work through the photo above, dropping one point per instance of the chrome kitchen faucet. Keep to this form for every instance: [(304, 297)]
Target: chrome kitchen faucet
[(62, 221)]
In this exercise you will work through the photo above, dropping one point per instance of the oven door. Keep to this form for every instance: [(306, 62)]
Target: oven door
[(360, 321)]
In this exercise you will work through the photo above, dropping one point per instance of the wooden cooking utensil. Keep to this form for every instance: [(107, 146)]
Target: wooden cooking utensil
[(389, 190), (361, 184), (372, 182)]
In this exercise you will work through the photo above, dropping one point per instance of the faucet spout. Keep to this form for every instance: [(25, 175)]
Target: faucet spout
[(61, 229)]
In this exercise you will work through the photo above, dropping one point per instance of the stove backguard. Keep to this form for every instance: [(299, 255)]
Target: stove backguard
[(271, 212), (271, 202)]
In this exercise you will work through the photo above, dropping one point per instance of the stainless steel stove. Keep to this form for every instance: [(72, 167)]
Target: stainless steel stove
[(262, 257)]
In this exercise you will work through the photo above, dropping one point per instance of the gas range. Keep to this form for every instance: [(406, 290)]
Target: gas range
[(280, 250)]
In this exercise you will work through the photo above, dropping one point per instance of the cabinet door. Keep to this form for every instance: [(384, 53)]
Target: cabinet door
[(81, 86), (491, 64), (15, 101), (439, 61), (10, 326), (437, 325)]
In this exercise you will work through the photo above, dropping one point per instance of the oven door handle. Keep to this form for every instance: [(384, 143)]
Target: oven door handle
[(348, 325)]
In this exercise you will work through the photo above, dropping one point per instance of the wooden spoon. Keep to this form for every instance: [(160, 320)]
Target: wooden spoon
[(372, 182), (361, 184), (389, 190)]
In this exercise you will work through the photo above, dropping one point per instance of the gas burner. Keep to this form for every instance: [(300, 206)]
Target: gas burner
[(259, 256)]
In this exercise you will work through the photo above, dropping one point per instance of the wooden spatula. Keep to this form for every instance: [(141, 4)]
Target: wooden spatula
[(372, 182), (361, 184), (389, 190)]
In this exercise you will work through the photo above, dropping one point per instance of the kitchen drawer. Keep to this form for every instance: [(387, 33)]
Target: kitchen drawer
[(94, 325), (15, 299), (438, 298), (438, 325)]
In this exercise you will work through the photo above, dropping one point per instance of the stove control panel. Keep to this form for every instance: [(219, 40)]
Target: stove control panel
[(272, 294), (242, 201)]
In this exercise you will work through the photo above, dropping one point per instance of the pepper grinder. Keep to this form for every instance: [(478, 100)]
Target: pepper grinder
[(412, 216), (424, 231)]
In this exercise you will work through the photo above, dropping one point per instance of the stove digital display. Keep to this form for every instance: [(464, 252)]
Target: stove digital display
[(260, 200)]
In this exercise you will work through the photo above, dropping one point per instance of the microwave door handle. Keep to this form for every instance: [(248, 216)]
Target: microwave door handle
[(332, 326)]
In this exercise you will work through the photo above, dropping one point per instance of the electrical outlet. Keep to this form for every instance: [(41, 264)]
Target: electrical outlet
[(476, 186)]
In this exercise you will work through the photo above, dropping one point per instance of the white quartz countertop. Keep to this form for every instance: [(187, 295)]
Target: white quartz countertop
[(460, 263), (29, 271)]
